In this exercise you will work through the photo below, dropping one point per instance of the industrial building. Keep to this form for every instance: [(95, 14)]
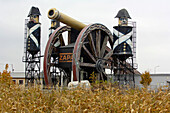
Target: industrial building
[(158, 80)]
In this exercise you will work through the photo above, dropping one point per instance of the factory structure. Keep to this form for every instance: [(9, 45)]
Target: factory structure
[(158, 80)]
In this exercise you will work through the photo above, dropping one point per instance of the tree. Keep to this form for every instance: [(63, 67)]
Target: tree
[(146, 79), (5, 77)]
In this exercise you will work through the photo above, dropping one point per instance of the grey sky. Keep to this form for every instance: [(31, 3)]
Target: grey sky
[(152, 17)]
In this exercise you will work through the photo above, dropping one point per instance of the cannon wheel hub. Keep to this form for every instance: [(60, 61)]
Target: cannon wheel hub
[(99, 66)]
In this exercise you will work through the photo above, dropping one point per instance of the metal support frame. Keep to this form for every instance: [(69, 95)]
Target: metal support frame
[(32, 63), (32, 68), (124, 72)]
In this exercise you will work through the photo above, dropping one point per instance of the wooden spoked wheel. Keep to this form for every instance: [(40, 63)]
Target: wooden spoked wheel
[(93, 53), (53, 74)]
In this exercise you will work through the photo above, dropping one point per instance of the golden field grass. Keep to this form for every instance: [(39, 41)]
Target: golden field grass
[(104, 99), (100, 98)]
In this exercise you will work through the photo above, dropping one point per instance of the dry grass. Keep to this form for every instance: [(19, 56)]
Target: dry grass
[(105, 99), (99, 98)]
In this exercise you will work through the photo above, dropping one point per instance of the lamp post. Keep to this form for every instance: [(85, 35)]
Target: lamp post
[(155, 69), (12, 67)]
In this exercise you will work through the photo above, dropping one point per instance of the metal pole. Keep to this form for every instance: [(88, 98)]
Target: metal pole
[(155, 69)]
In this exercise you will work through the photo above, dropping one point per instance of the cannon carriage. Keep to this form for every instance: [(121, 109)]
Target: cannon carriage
[(77, 51), (87, 49)]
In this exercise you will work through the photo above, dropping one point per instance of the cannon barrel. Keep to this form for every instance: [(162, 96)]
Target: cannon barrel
[(55, 14)]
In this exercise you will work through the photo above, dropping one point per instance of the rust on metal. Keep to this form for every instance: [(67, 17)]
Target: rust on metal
[(91, 41)]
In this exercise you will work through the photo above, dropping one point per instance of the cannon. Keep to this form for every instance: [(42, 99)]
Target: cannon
[(77, 49)]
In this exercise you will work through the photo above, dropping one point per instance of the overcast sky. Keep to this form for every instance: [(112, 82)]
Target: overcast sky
[(152, 17)]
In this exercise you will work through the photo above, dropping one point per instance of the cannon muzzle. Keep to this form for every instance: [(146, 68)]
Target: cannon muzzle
[(55, 14)]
